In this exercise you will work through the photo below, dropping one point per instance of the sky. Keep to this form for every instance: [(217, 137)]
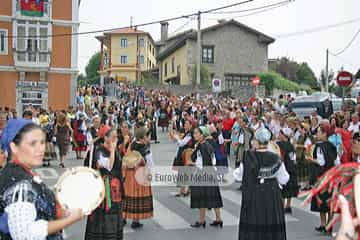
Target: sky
[(296, 17)]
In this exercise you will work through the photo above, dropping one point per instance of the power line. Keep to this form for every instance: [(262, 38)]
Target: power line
[(347, 46), (316, 29), (264, 10), (137, 25), (258, 12), (251, 9), (343, 60), (182, 26)]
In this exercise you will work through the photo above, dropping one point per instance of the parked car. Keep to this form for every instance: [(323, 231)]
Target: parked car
[(348, 105), (304, 106)]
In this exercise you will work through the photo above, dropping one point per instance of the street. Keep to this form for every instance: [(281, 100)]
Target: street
[(173, 216)]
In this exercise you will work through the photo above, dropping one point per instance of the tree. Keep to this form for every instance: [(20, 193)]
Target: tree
[(92, 68), (204, 76), (357, 75), (305, 75), (299, 73), (81, 80)]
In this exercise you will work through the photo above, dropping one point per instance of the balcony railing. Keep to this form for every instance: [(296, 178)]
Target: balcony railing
[(32, 59)]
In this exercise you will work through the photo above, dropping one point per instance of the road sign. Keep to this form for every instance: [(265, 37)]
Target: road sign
[(344, 79), (216, 85), (255, 81)]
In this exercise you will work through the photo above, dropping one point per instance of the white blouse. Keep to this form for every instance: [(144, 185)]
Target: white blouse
[(22, 216)]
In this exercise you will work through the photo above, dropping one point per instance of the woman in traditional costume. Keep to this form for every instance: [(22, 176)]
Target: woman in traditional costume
[(138, 201), (262, 212), (79, 129), (105, 222), (205, 194), (220, 151), (164, 117), (184, 142), (324, 157), (63, 133), (288, 155), (28, 208)]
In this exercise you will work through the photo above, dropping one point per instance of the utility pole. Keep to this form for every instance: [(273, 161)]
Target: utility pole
[(198, 50), (327, 71)]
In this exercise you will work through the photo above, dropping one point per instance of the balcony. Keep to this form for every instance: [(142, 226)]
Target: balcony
[(32, 59)]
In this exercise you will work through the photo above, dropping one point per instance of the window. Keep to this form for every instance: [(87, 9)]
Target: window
[(106, 59), (43, 39), (3, 42), (141, 59), (124, 60), (124, 43), (32, 43), (208, 54), (173, 65), (141, 42), (165, 69)]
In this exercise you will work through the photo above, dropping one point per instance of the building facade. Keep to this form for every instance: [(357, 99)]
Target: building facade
[(231, 51), (38, 53), (126, 54)]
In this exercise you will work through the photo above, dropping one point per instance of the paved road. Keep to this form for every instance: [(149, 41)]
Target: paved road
[(173, 215)]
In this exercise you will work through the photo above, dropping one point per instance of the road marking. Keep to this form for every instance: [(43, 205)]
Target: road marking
[(47, 173), (167, 219)]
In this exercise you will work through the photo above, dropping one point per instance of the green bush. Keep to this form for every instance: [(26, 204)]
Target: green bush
[(272, 80)]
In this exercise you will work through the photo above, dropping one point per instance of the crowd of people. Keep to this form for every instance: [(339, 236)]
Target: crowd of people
[(267, 144)]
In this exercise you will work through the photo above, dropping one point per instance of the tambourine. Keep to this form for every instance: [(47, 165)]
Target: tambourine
[(80, 188), (186, 156)]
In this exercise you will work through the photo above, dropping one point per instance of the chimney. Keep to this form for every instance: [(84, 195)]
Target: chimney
[(221, 21), (164, 31)]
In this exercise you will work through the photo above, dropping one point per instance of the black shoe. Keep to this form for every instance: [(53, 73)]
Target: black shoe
[(320, 229), (288, 210), (135, 225), (198, 225), (217, 223), (156, 142), (62, 165)]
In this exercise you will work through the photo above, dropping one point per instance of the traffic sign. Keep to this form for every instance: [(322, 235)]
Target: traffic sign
[(216, 85), (344, 79), (255, 81)]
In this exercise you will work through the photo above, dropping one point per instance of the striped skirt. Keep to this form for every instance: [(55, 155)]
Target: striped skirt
[(138, 201)]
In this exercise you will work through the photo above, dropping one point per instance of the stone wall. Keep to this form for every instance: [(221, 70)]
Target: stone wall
[(236, 51)]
